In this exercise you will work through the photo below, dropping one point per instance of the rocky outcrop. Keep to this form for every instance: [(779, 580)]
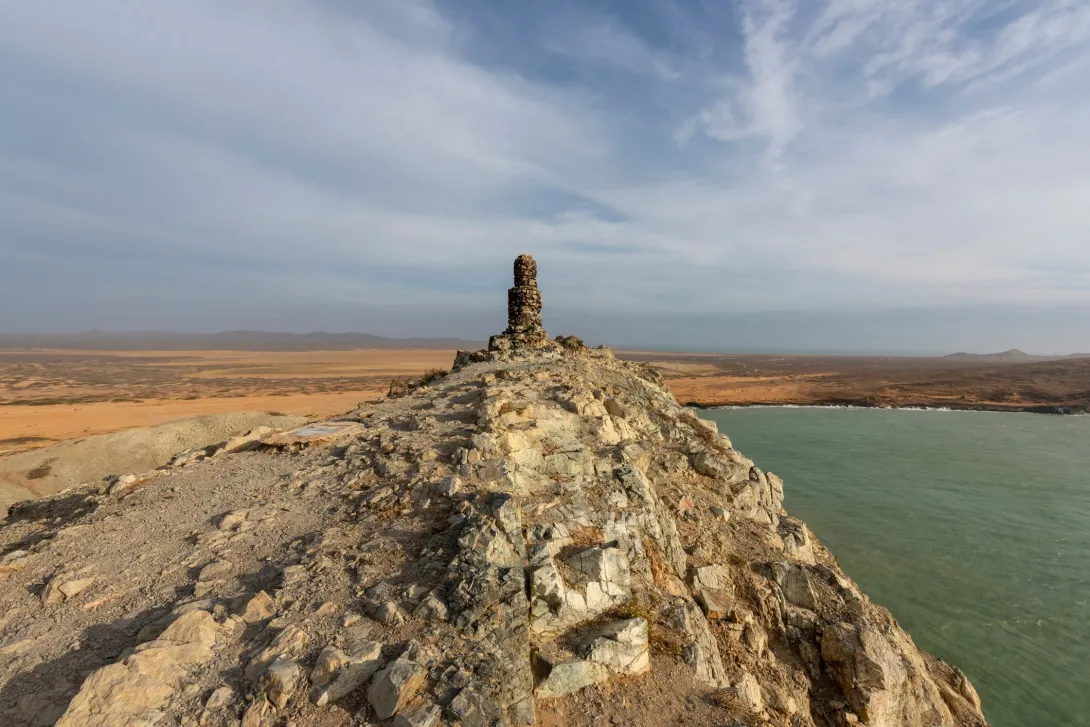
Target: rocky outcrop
[(543, 536)]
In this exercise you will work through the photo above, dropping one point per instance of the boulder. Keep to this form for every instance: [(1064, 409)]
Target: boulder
[(280, 680), (258, 608), (566, 675), (393, 687), (621, 647), (130, 692), (337, 674)]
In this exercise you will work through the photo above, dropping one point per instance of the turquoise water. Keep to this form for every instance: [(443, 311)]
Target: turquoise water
[(973, 528)]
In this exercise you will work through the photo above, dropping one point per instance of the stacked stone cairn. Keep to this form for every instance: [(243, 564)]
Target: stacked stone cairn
[(524, 329)]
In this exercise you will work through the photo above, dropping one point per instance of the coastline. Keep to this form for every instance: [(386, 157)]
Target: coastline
[(1049, 409)]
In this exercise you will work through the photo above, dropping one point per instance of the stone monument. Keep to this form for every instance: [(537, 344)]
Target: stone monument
[(524, 329)]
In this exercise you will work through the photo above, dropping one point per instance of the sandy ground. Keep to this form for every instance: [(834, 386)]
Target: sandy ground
[(739, 390), (67, 421), (72, 416), (51, 396)]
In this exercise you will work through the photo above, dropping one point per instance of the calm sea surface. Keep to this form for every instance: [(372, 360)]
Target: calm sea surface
[(973, 528)]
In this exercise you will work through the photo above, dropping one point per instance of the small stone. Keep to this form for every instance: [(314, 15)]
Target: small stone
[(290, 641), (393, 687), (715, 603), (330, 661), (569, 675), (622, 647), (193, 627), (232, 520), (432, 607), (123, 483), (721, 513), (280, 680), (706, 577), (390, 613), (293, 574), (258, 608), (337, 674), (450, 486), (52, 595), (220, 697), (258, 714), (416, 591), (72, 588)]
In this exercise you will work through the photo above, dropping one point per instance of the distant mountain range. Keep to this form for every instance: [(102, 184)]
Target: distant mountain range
[(1012, 356), (227, 340)]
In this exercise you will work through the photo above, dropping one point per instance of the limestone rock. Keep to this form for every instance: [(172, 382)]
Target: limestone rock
[(423, 716), (567, 675), (288, 642), (748, 691), (337, 674), (258, 608), (393, 687), (280, 680), (246, 441), (621, 647), (133, 690), (715, 603)]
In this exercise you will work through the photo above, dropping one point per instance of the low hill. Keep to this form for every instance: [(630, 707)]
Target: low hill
[(89, 459), (1013, 355), (227, 340)]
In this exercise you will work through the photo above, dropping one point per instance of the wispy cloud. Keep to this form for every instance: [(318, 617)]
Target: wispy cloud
[(657, 156)]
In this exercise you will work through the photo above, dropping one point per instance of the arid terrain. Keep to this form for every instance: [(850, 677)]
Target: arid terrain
[(542, 536), (48, 396), (76, 415), (1006, 382)]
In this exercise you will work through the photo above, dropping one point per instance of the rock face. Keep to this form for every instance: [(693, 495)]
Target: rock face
[(542, 536)]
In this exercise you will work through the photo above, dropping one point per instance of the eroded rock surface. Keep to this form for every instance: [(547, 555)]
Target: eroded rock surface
[(543, 536)]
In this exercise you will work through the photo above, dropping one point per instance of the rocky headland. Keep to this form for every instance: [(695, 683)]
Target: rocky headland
[(542, 536)]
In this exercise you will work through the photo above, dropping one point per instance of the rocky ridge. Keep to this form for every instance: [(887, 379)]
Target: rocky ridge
[(542, 536)]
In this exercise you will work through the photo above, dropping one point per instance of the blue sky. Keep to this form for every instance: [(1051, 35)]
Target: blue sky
[(751, 174)]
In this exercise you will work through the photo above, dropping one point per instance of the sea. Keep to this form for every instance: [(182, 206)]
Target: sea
[(973, 528)]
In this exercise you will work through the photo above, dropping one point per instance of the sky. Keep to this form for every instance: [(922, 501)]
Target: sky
[(811, 175)]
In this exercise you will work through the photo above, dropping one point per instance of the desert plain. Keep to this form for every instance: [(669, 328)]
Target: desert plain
[(69, 415), (48, 396)]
